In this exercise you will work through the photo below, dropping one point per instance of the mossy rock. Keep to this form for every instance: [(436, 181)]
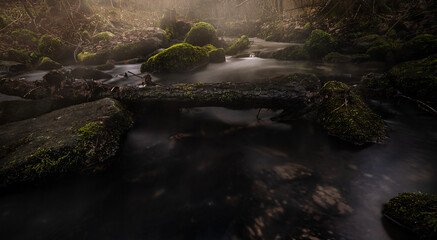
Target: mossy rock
[(217, 55), (25, 36), (418, 47), (336, 57), (109, 65), (81, 138), (201, 34), (375, 81), (343, 114), (417, 78), (238, 45), (88, 58), (381, 48), (319, 44), (21, 56), (139, 49), (362, 44), (50, 46), (182, 57), (46, 63), (416, 212), (102, 36), (295, 52)]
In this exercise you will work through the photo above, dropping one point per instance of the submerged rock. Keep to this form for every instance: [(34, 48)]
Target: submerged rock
[(86, 73), (343, 114), (238, 45), (416, 212), (416, 78), (178, 58), (74, 139), (201, 34), (48, 64)]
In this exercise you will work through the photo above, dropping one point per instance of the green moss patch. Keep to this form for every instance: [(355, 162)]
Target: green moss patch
[(415, 211), (46, 63), (178, 58), (417, 78), (238, 45), (88, 58), (25, 36), (201, 34), (343, 114), (102, 36), (319, 44), (49, 46), (21, 56)]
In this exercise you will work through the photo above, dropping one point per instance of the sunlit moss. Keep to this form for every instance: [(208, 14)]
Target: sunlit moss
[(238, 45), (102, 36), (45, 63), (178, 58), (49, 46), (201, 33)]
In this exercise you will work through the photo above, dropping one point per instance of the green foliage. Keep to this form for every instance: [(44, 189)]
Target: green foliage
[(416, 211), (178, 58), (102, 36), (201, 34), (343, 114), (49, 46), (319, 44), (46, 63), (25, 36), (417, 78), (238, 45)]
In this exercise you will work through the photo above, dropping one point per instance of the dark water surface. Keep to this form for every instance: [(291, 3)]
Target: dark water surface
[(214, 173)]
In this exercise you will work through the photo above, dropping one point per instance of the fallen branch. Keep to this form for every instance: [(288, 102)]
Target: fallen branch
[(421, 104)]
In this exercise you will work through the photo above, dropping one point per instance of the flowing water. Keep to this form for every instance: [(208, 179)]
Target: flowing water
[(216, 173)]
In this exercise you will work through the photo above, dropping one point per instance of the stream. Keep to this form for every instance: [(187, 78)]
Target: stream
[(217, 173)]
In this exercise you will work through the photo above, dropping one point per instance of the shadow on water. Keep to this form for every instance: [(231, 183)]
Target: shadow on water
[(214, 173)]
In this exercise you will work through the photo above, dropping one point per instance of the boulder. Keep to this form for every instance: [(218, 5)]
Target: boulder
[(319, 44), (50, 46), (343, 114), (86, 73), (46, 63), (217, 55), (416, 78), (201, 34), (238, 45), (415, 212), (76, 139), (182, 57)]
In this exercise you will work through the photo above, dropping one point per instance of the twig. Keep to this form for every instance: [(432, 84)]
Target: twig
[(25, 95), (21, 15), (421, 105), (136, 75)]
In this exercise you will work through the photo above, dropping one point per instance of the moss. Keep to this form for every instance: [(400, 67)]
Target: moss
[(415, 211), (217, 55), (319, 44), (102, 36), (201, 34), (88, 58), (49, 46), (417, 78), (21, 56), (25, 36), (418, 47), (375, 81), (86, 35), (343, 114), (46, 63), (178, 58), (381, 47), (296, 52), (335, 57), (238, 45), (97, 141)]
